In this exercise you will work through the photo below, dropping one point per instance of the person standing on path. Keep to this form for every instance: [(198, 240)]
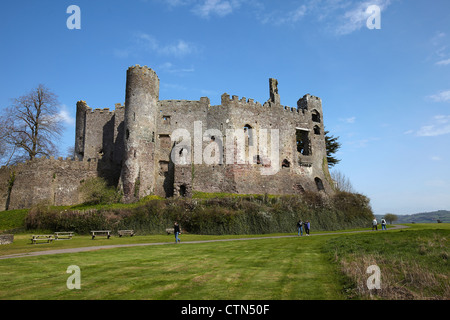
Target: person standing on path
[(307, 225), (176, 231), (383, 224), (300, 227), (374, 224)]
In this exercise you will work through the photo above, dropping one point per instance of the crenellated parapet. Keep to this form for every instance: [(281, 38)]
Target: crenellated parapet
[(47, 162)]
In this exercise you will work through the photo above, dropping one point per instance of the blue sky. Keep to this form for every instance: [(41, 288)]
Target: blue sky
[(385, 92)]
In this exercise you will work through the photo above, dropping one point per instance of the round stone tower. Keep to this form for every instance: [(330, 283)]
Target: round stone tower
[(138, 169)]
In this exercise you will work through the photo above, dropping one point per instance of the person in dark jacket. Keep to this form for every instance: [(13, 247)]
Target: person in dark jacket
[(300, 227), (176, 231), (307, 227)]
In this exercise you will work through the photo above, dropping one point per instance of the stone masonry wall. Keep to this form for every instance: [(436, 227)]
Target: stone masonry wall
[(53, 180), (142, 135)]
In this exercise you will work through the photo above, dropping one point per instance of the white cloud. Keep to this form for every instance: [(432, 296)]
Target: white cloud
[(340, 17), (171, 68), (440, 126), (443, 62), (442, 96), (436, 158), (439, 48), (176, 3), (172, 87), (361, 143), (278, 18), (437, 38), (349, 120), (215, 7), (149, 43), (355, 18), (65, 116), (179, 48)]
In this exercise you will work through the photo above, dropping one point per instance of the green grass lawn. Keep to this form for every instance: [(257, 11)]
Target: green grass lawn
[(273, 269), (315, 267)]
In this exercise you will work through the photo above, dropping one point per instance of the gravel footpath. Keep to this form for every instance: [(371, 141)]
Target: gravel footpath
[(85, 249)]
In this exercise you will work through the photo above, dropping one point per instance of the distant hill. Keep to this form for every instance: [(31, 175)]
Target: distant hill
[(423, 217)]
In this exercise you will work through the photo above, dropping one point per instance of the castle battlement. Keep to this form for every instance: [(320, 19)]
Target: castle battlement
[(139, 67), (51, 164), (234, 100), (88, 110)]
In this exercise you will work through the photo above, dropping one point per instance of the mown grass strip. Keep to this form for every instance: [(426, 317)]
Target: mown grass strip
[(287, 268)]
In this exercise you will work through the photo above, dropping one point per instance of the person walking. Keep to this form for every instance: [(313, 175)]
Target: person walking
[(300, 227), (307, 225), (374, 224), (383, 224), (176, 231)]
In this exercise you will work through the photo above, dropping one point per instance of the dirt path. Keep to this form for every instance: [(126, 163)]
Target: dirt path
[(85, 249)]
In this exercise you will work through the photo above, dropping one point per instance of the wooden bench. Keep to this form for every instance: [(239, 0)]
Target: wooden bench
[(126, 232), (105, 233), (66, 235), (42, 237)]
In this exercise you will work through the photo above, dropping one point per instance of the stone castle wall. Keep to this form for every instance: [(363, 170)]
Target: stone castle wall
[(44, 179), (131, 147)]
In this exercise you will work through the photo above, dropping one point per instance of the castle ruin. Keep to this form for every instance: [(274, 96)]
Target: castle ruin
[(175, 147)]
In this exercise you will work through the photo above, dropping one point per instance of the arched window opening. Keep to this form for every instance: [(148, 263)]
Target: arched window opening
[(303, 142), (315, 116), (319, 184), (183, 190), (316, 130), (248, 131)]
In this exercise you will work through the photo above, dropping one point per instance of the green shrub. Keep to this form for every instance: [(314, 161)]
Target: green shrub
[(250, 214), (97, 191)]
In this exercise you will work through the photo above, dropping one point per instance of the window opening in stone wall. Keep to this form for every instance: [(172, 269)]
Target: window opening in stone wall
[(285, 163), (249, 134), (166, 120), (163, 167), (319, 184), (316, 130), (183, 190), (315, 116), (303, 142)]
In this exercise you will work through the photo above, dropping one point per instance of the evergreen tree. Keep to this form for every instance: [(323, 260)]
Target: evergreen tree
[(332, 146)]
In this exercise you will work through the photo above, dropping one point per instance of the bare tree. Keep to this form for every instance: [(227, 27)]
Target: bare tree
[(341, 182), (31, 126)]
